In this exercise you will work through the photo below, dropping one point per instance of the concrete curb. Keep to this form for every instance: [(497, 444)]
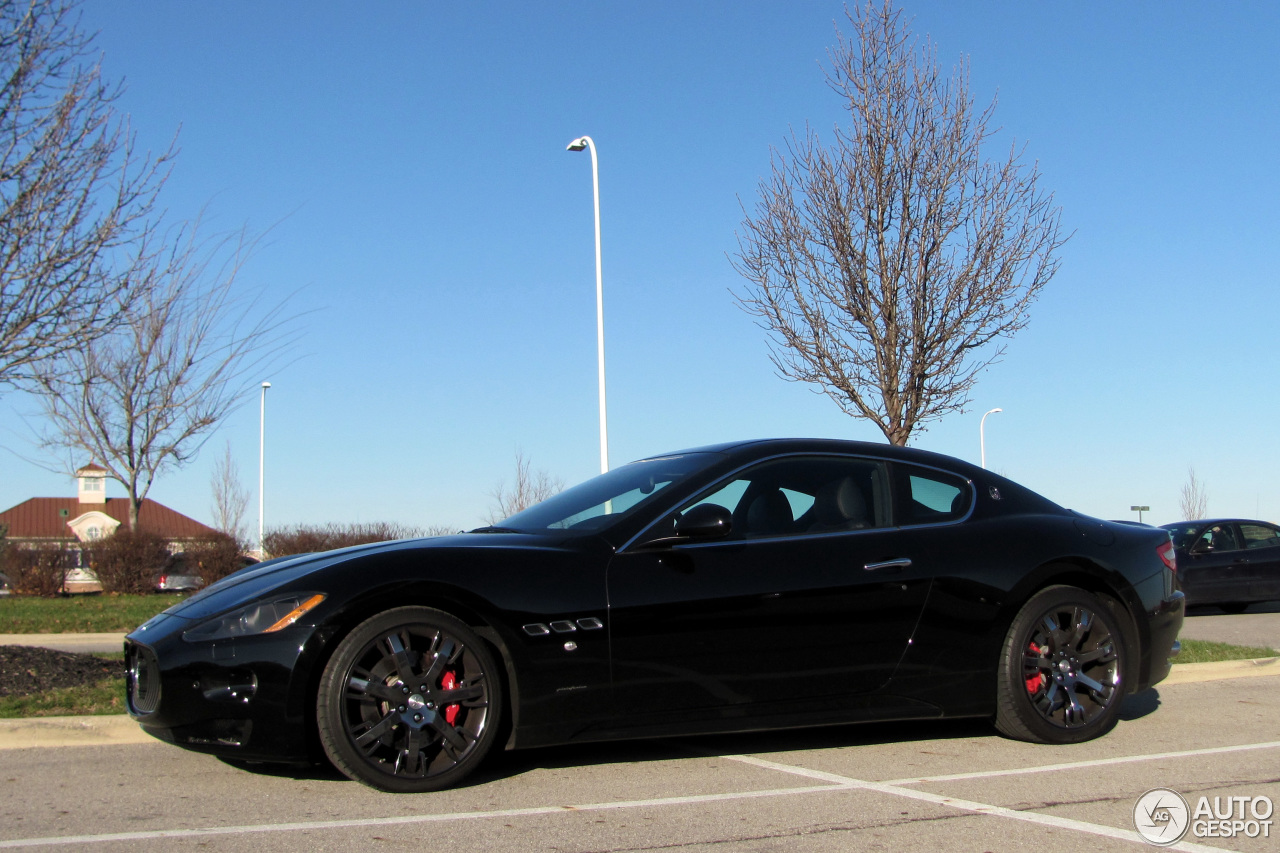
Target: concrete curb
[(1191, 673), (117, 729), (104, 730)]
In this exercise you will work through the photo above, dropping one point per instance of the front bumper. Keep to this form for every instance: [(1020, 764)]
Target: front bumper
[(244, 698)]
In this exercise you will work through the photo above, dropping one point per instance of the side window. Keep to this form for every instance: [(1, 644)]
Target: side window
[(1260, 536), (1219, 537), (727, 496), (933, 497), (803, 494)]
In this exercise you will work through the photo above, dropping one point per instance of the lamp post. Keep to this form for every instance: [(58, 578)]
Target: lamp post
[(262, 435), (982, 435), (585, 142), (1140, 510)]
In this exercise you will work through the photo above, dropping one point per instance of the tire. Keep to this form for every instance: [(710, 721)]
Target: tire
[(411, 701), (1064, 668), (1234, 607)]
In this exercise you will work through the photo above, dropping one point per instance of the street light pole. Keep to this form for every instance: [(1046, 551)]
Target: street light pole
[(585, 142), (262, 435), (982, 435)]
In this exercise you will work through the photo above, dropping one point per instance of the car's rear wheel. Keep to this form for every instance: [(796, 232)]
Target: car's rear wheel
[(410, 701), (1063, 670)]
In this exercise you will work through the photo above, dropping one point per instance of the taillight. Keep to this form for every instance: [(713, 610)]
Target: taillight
[(1168, 556)]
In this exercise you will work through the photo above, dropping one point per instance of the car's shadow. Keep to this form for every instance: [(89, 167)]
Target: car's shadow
[(797, 740), (674, 748), (505, 765), (1138, 705)]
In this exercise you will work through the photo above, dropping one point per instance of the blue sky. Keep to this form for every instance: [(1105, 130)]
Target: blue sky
[(409, 162)]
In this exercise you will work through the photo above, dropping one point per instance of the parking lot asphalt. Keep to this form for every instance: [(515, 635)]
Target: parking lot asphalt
[(929, 785), (1259, 626)]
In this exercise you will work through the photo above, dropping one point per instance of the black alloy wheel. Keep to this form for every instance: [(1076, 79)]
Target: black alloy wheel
[(410, 701), (1063, 670)]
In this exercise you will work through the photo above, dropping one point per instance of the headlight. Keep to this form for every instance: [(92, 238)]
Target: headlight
[(262, 617)]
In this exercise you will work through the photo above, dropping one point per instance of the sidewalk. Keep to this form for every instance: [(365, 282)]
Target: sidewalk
[(67, 642)]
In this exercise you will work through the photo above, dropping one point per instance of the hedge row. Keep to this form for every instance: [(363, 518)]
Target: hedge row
[(128, 561), (306, 539), (125, 562)]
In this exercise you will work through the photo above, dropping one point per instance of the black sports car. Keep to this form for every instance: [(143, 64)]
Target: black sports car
[(744, 586), (1230, 562)]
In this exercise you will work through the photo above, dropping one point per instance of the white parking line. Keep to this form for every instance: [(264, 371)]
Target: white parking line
[(969, 805), (1052, 768), (410, 819), (829, 782)]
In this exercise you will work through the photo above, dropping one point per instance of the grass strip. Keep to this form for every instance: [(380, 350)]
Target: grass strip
[(1206, 651), (80, 614), (104, 697)]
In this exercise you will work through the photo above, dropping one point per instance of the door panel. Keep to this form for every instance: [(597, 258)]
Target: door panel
[(751, 627), (1215, 570), (1262, 549)]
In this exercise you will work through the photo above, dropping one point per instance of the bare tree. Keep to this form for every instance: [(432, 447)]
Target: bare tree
[(528, 489), (145, 398), (890, 267), (75, 195), (230, 497), (1194, 499)]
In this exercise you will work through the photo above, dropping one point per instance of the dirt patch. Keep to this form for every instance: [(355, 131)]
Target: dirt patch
[(29, 669)]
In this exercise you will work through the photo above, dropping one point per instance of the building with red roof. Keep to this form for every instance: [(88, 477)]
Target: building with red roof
[(92, 515)]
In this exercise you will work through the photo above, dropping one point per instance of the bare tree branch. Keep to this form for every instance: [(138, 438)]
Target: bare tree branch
[(890, 267), (1194, 499), (145, 398), (528, 489), (76, 197), (230, 497)]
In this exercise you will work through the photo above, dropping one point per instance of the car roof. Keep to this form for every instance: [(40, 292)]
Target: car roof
[(828, 445), (1204, 522)]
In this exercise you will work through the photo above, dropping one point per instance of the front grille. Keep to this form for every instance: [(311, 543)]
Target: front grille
[(142, 683)]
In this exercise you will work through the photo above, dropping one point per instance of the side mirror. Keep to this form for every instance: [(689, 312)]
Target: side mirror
[(1201, 546), (704, 521)]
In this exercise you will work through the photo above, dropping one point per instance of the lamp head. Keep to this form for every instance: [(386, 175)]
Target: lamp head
[(578, 144), (266, 384)]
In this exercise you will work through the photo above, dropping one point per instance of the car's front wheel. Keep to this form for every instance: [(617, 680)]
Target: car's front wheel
[(1063, 670), (410, 701)]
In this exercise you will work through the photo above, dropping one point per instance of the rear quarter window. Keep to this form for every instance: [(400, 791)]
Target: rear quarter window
[(933, 497)]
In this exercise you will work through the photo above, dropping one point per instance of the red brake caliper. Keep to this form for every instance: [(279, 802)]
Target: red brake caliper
[(449, 682), (1036, 681)]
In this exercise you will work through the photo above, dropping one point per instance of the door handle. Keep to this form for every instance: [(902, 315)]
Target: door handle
[(900, 563)]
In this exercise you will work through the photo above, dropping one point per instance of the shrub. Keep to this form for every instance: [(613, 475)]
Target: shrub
[(127, 560), (214, 557), (304, 539), (41, 570)]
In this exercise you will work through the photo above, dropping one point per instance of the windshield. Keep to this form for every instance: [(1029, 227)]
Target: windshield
[(1182, 534), (605, 499)]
